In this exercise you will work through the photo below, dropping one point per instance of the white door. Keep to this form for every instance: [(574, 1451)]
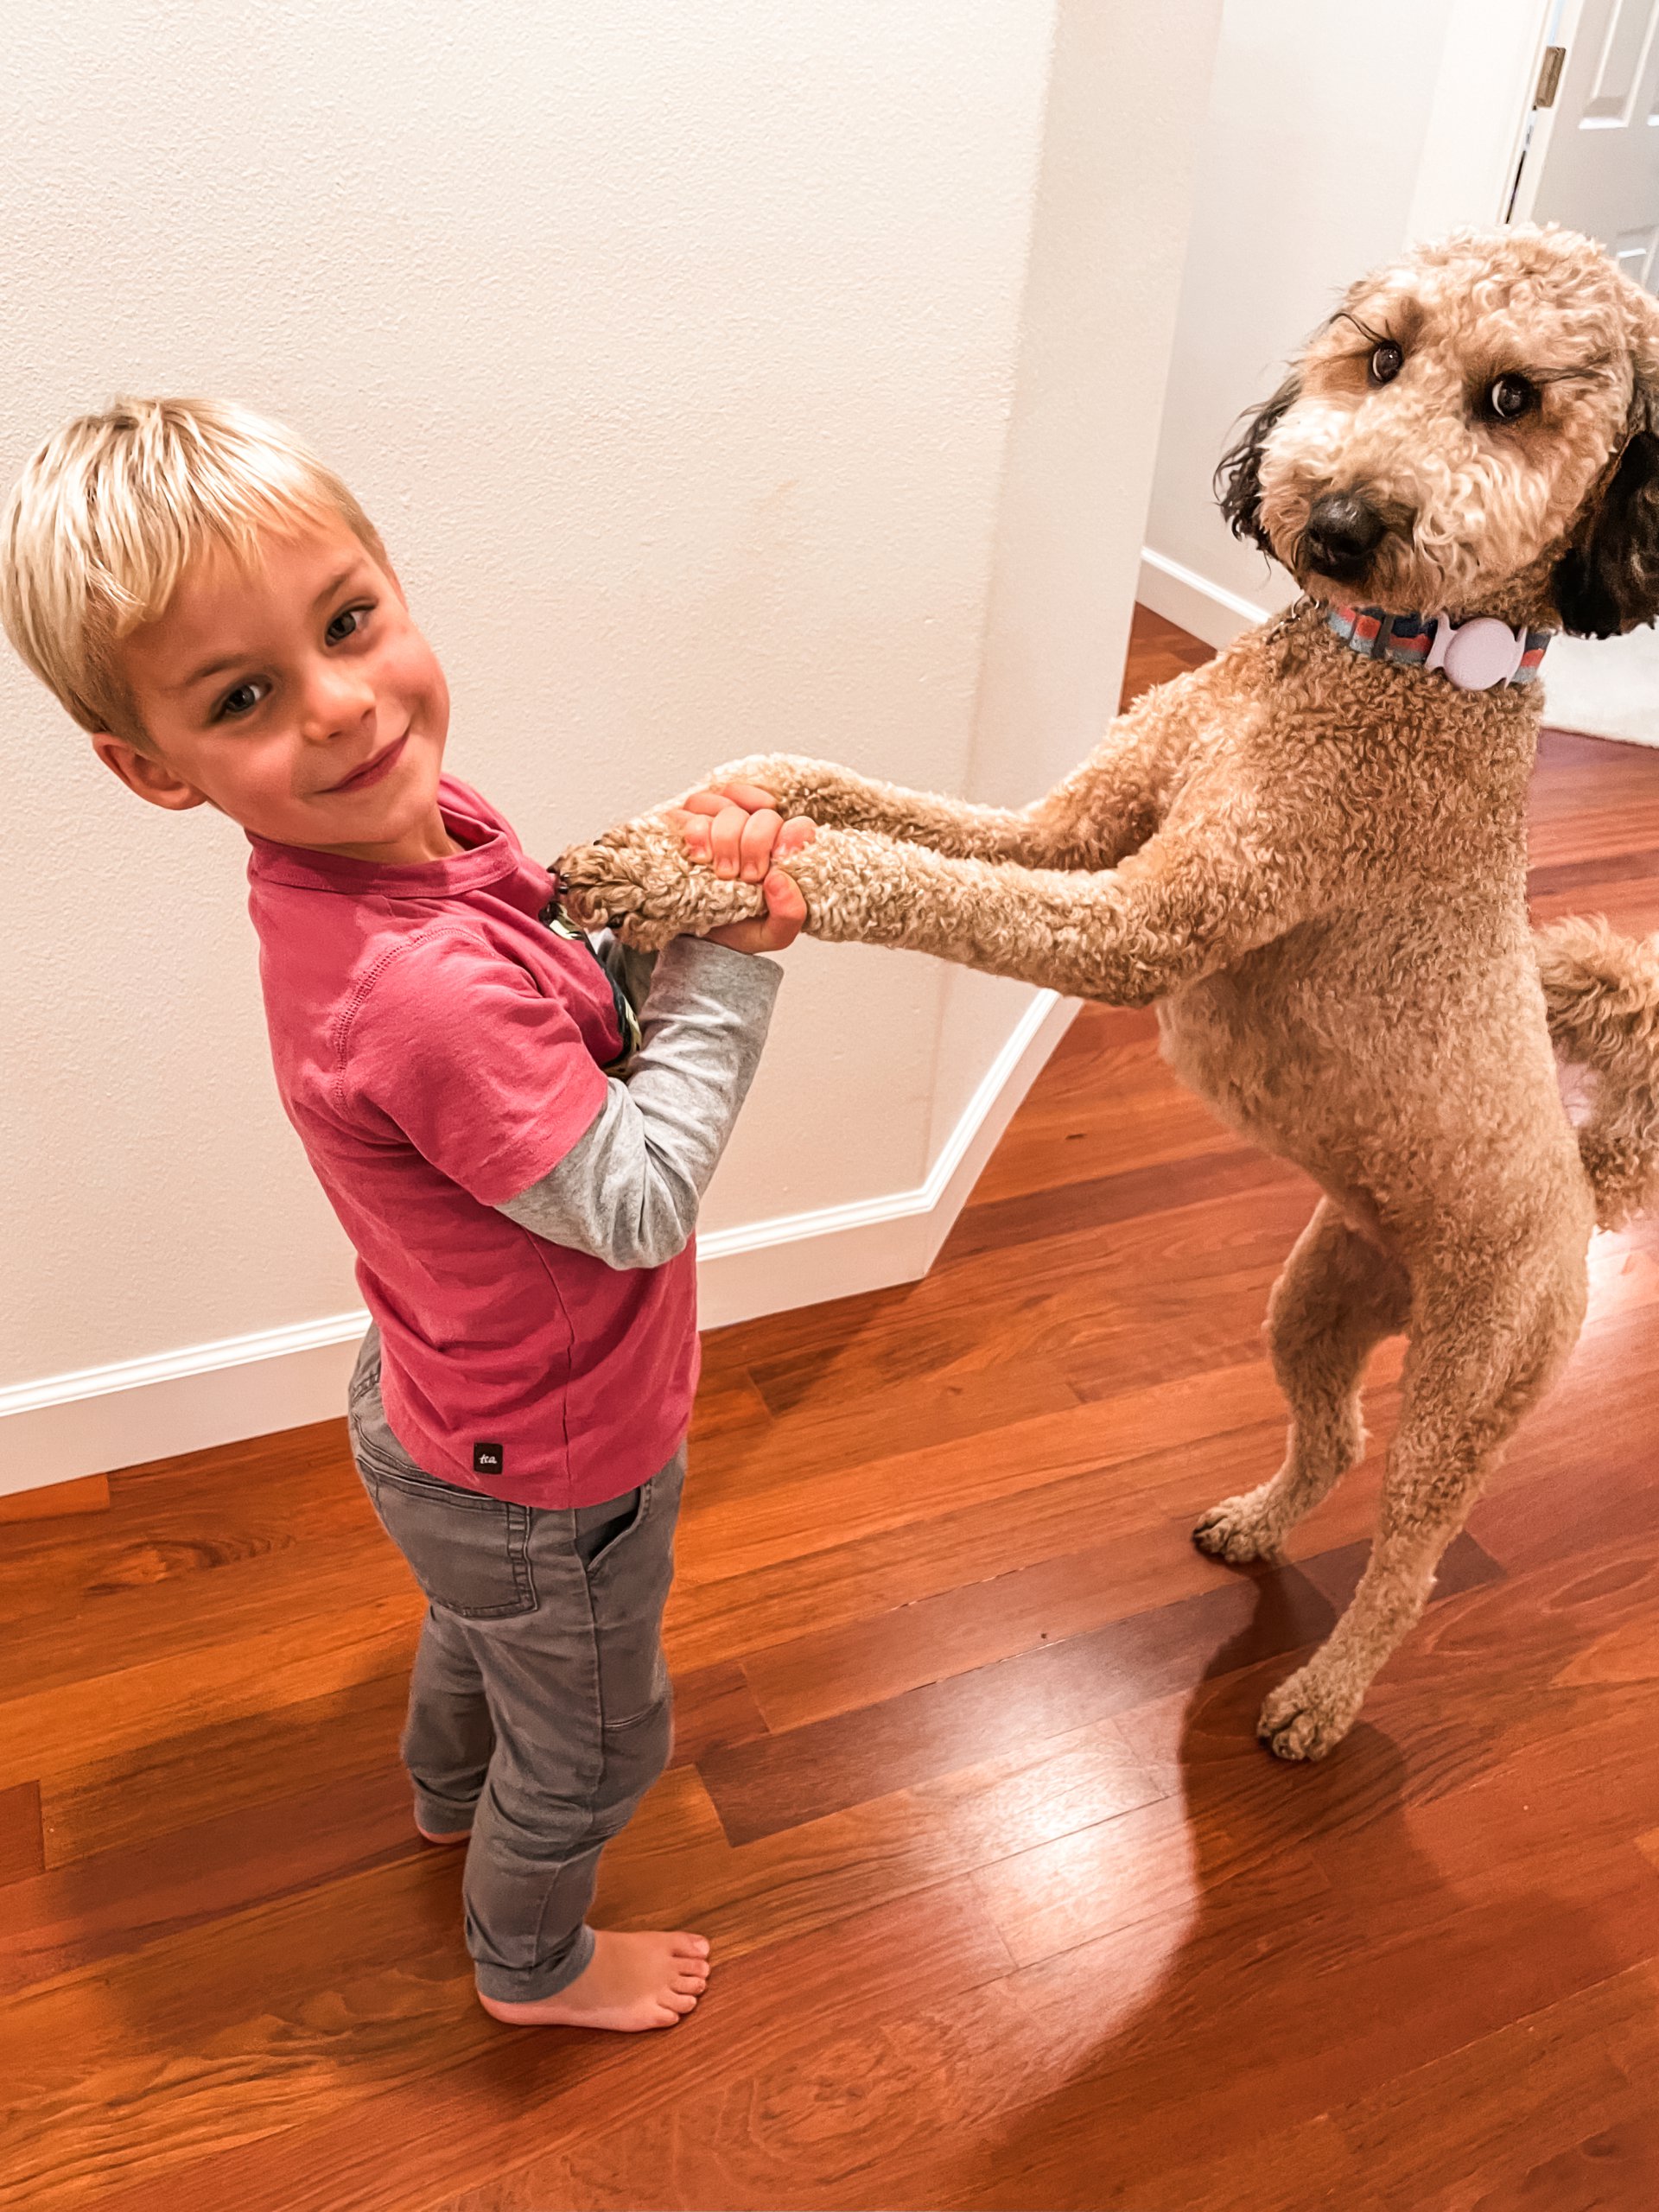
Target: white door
[(1593, 163)]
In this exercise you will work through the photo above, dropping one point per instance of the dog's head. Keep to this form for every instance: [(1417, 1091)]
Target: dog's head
[(1476, 430)]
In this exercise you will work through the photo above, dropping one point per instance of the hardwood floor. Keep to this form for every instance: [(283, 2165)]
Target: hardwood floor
[(1009, 1907)]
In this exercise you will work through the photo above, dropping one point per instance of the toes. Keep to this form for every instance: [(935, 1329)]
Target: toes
[(1299, 1724), (689, 1985), (1227, 1532), (1209, 1534), (678, 2002), (693, 1947), (1300, 1742)]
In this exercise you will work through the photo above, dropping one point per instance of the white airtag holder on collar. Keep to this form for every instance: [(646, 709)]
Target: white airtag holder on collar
[(1476, 656)]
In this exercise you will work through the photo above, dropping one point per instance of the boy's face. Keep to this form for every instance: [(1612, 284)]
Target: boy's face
[(300, 700)]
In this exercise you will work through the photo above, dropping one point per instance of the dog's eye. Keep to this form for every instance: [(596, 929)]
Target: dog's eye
[(1509, 397), (1387, 361)]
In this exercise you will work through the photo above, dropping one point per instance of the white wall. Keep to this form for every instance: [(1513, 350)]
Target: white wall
[(1335, 136), (676, 352)]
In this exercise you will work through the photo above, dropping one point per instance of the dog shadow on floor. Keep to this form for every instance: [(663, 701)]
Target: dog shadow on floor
[(1344, 1925)]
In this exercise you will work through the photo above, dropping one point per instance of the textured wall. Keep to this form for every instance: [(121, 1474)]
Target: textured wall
[(674, 352)]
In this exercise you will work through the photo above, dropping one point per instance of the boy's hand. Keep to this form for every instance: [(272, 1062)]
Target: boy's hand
[(739, 831)]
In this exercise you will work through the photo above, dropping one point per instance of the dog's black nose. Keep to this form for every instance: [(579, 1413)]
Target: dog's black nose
[(1341, 534)]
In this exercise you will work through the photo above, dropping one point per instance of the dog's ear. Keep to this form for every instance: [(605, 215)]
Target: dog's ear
[(1608, 581), (1238, 472)]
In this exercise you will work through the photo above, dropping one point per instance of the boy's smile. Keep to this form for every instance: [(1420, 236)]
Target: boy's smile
[(299, 698)]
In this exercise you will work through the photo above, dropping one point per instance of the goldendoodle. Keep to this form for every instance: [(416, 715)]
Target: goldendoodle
[(1312, 853)]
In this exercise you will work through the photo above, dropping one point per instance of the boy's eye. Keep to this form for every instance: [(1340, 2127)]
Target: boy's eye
[(239, 703), (347, 624)]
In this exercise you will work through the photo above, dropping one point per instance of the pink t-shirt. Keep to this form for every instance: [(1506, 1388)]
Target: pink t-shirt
[(438, 1050)]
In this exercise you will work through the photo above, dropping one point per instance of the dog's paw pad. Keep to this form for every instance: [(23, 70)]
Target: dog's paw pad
[(1236, 1531)]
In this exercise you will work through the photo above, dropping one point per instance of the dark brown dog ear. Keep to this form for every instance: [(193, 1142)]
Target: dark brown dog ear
[(1609, 583), (1238, 472)]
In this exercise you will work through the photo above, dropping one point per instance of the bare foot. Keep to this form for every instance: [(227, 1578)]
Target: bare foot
[(454, 1836), (631, 1982)]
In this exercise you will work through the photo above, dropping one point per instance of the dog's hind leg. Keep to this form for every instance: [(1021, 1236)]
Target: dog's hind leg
[(1338, 1296), (1483, 1349)]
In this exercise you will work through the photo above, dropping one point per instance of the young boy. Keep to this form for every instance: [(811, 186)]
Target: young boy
[(209, 601)]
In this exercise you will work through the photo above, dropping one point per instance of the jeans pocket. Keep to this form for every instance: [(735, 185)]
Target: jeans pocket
[(469, 1554), (628, 1584)]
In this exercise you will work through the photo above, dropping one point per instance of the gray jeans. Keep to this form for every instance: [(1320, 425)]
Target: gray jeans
[(539, 1712)]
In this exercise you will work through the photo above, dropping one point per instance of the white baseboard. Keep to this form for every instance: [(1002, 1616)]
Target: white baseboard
[(98, 1418), (101, 1418), (1209, 610), (801, 1259)]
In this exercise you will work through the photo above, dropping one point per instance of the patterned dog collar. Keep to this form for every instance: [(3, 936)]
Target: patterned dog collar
[(1476, 656)]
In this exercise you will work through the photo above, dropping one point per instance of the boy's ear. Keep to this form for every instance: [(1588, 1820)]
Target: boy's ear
[(1608, 581), (142, 772), (1238, 472)]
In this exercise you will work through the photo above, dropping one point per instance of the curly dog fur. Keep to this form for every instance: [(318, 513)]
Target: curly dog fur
[(1315, 863)]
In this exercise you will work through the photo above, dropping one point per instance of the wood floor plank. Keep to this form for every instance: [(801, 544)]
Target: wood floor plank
[(254, 1760), (1121, 1305), (1613, 2169), (86, 1494), (50, 1734), (134, 1624), (1591, 833), (781, 1781), (401, 2140), (751, 1895), (23, 1849), (124, 1898), (1131, 1194), (833, 1427), (1497, 2108), (725, 1539), (1066, 1129), (1134, 1509), (152, 1533)]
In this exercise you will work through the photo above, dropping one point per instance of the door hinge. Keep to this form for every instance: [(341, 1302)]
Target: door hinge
[(1549, 76)]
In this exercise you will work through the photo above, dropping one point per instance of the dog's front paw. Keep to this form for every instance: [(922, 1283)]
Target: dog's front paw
[(1307, 1715), (1239, 1531), (797, 785), (640, 881)]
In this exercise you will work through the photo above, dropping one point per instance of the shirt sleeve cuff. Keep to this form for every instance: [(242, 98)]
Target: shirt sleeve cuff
[(718, 967)]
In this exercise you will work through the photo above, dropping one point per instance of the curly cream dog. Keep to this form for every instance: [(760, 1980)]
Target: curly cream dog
[(1312, 853)]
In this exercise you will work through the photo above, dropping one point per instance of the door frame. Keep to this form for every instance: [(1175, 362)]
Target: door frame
[(1482, 121)]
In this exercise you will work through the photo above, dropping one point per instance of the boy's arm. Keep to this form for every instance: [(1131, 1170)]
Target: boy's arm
[(627, 1192)]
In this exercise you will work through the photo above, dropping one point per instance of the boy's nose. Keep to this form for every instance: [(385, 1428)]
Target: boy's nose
[(336, 701)]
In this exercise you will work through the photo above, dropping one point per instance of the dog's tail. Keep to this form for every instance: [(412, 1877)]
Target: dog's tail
[(1602, 994)]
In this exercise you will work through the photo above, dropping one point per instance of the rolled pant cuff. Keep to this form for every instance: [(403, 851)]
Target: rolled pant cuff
[(531, 1985), (443, 1815)]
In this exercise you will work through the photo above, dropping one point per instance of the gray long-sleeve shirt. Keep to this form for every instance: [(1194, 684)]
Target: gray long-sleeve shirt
[(627, 1192)]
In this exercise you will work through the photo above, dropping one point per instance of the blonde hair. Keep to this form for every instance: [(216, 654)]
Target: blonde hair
[(112, 510)]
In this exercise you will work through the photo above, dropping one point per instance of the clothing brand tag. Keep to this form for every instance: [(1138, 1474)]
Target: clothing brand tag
[(487, 1459)]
